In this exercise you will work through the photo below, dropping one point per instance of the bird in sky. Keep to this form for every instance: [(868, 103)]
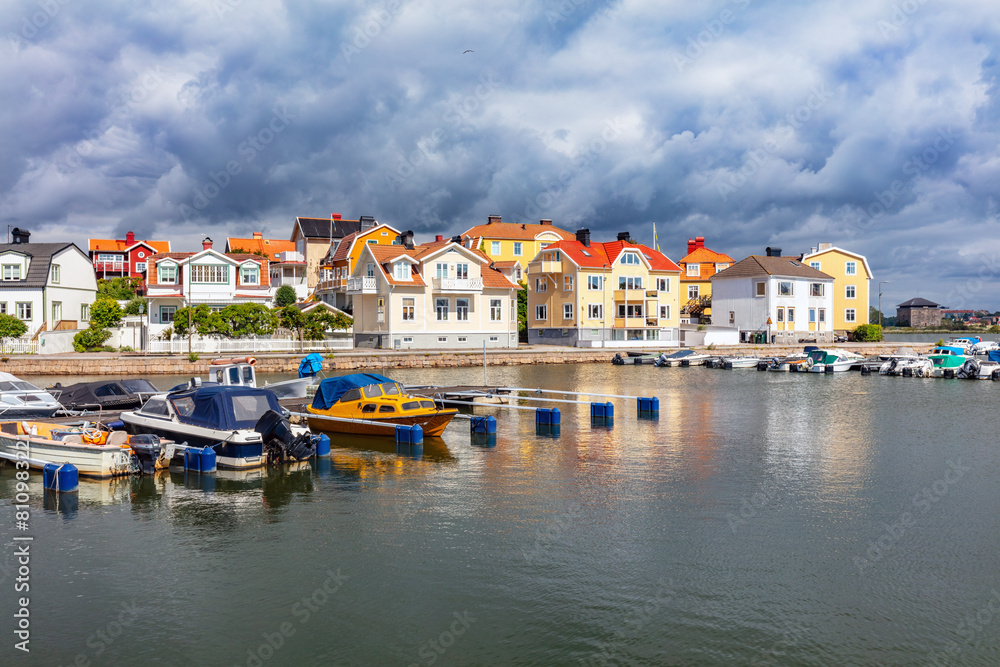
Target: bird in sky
[(467, 51)]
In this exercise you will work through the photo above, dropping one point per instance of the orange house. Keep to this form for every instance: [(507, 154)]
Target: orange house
[(697, 269), (340, 261)]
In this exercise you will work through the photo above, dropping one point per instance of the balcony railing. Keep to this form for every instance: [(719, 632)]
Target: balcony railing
[(114, 267), (363, 285), (461, 285)]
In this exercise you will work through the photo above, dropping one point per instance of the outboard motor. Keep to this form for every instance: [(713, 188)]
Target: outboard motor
[(618, 360), (150, 453), (279, 441)]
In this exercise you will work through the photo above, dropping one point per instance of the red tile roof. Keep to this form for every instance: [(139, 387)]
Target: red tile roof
[(599, 255), (121, 245), (514, 230), (270, 247), (385, 254)]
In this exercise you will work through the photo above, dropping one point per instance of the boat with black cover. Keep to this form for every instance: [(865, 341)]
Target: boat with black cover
[(123, 394)]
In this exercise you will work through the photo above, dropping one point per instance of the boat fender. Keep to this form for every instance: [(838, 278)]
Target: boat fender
[(919, 371), (762, 365), (907, 372), (949, 373), (995, 375), (866, 370)]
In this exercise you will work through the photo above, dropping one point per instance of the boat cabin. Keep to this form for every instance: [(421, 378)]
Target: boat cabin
[(233, 373)]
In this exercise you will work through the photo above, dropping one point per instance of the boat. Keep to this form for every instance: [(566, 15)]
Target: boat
[(831, 360), (697, 359), (368, 398), (966, 343), (633, 359), (901, 352), (244, 425), (947, 361), (984, 347), (94, 451), (19, 398), (123, 394), (730, 363), (785, 364), (907, 366), (672, 359), (979, 369), (239, 372)]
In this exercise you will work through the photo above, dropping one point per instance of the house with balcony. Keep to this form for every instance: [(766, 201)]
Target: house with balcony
[(780, 297), (314, 238), (438, 295), (286, 265), (176, 279), (338, 266), (48, 286), (511, 245), (613, 294), (851, 283), (697, 268), (115, 258)]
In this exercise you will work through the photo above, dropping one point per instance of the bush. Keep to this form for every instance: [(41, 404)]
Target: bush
[(90, 340), (193, 357), (994, 329), (285, 296), (868, 333), (11, 327), (132, 307), (105, 313)]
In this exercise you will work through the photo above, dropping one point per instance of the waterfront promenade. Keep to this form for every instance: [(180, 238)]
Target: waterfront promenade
[(120, 364)]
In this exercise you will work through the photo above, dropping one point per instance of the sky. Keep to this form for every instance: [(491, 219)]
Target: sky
[(869, 124)]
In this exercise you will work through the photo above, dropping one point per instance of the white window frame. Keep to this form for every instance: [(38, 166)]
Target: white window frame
[(761, 289), (693, 291), (167, 314), (140, 267), (161, 273), (722, 266), (567, 311), (462, 310), (11, 271), (401, 271), (850, 268), (409, 306), (518, 247), (56, 274), (694, 269), (663, 285), (850, 315), (541, 285), (23, 310), (209, 274), (630, 259), (781, 315), (251, 271), (541, 312), (567, 283), (850, 291), (494, 247), (496, 310), (817, 289), (786, 288), (84, 311), (595, 311), (462, 271), (791, 315), (822, 315), (595, 283), (815, 265), (439, 314), (665, 312)]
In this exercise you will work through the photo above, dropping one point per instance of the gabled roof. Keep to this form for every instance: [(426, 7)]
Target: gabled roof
[(864, 260), (756, 266), (152, 278), (347, 243), (600, 255), (514, 231), (386, 254), (325, 228), (121, 245), (919, 303), (270, 247), (41, 258), (703, 255)]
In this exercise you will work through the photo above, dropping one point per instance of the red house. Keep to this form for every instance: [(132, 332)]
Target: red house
[(114, 258)]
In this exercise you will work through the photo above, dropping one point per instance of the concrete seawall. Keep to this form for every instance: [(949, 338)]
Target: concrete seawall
[(109, 364)]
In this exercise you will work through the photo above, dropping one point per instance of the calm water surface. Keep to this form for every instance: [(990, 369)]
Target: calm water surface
[(764, 518)]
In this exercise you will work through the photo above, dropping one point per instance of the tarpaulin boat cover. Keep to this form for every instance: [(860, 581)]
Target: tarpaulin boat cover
[(310, 365), (993, 355), (224, 408), (331, 389), (107, 393)]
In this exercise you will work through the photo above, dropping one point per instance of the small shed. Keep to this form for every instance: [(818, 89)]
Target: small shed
[(919, 313)]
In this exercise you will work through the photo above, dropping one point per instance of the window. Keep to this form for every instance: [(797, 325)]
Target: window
[(791, 315), (692, 291), (567, 311), (167, 314), (781, 314), (850, 315), (694, 269), (56, 311), (851, 268), (494, 247), (850, 291), (595, 311), (250, 274), (167, 273), (629, 282), (441, 310), (761, 289), (814, 265), (463, 339), (369, 270), (630, 258), (140, 267), (373, 241), (24, 310), (822, 314), (462, 271), (664, 312), (541, 312), (408, 308), (494, 339), (595, 282), (209, 273), (440, 271), (55, 274), (567, 283), (732, 317), (462, 310), (540, 285), (11, 271), (663, 284), (721, 267), (816, 289), (812, 315), (401, 271), (496, 310), (517, 248), (632, 310), (407, 339), (786, 288), (84, 311), (108, 258)]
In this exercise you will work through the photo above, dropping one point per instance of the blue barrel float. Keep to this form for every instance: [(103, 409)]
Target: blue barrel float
[(547, 416), (323, 445), (648, 407), (200, 459), (486, 424), (409, 435), (63, 478)]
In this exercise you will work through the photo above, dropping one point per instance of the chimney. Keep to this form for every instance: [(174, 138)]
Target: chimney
[(335, 216), (18, 235), (258, 235), (492, 219), (699, 241), (456, 239), (583, 236), (813, 249), (206, 243), (545, 222), (773, 252), (129, 238), (438, 238), (408, 239), (692, 246), (624, 236), (367, 222)]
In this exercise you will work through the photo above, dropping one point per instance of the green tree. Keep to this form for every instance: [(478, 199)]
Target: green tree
[(320, 321), (294, 319), (249, 319), (132, 307), (11, 327), (90, 339), (522, 315), (105, 313), (285, 296), (120, 288)]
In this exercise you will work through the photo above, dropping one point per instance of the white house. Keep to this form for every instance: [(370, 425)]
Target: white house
[(775, 295), (50, 285)]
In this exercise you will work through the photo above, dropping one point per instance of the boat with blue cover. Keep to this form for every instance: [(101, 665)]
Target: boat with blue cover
[(369, 397), (244, 425)]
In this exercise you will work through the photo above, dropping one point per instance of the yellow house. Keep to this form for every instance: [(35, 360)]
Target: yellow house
[(512, 245), (851, 283), (343, 257), (587, 294), (697, 269)]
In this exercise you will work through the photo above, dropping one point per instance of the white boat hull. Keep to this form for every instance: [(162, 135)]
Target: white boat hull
[(101, 461)]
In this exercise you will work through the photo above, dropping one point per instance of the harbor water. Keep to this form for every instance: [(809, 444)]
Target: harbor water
[(763, 518)]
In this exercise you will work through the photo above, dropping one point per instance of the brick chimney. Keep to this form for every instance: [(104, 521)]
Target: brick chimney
[(583, 236), (492, 219), (545, 222), (129, 238), (625, 237), (699, 241), (438, 237), (18, 235), (258, 235), (206, 243), (692, 245)]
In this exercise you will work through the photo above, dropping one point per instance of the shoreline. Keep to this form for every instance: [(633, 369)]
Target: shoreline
[(126, 364)]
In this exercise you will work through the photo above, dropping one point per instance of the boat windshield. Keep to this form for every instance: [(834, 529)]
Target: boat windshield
[(18, 385), (391, 389), (818, 356), (372, 390)]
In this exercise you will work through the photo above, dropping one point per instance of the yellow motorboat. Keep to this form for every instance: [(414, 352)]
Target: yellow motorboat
[(372, 398)]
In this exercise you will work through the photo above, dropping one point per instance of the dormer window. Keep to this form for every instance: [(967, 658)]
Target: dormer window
[(694, 269), (401, 271), (11, 271), (250, 274), (167, 273), (630, 258)]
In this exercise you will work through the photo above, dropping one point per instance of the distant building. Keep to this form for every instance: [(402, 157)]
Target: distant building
[(313, 238), (115, 258), (511, 245), (918, 313), (287, 265), (697, 268)]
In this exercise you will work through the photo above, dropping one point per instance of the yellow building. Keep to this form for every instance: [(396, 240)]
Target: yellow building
[(697, 269), (343, 257), (512, 245), (598, 294), (851, 283)]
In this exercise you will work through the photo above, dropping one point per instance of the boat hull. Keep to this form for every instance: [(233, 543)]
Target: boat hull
[(229, 453), (433, 425), (96, 461)]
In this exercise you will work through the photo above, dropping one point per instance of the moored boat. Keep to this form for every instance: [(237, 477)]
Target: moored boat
[(122, 394), (368, 398), (730, 363), (675, 359), (95, 452), (19, 398), (832, 360)]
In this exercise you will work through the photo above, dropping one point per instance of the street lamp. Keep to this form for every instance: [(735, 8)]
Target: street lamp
[(881, 282)]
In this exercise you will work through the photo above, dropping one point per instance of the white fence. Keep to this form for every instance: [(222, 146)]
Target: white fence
[(19, 346), (255, 345)]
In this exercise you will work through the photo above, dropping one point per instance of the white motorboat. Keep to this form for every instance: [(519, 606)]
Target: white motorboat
[(984, 347), (19, 399), (730, 363), (674, 359), (978, 369), (240, 372), (832, 360), (909, 366), (901, 352), (786, 364), (697, 359), (95, 452)]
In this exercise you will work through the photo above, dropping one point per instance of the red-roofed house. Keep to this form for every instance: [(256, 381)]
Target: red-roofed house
[(434, 295), (697, 269), (512, 244), (620, 294), (114, 258), (339, 263), (287, 266)]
